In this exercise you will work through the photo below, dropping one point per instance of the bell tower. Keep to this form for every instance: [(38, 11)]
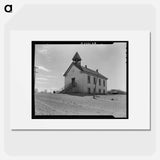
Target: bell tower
[(77, 59)]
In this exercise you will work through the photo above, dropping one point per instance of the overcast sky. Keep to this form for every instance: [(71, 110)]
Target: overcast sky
[(53, 60)]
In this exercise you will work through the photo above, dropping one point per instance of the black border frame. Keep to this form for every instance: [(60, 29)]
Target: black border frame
[(33, 116)]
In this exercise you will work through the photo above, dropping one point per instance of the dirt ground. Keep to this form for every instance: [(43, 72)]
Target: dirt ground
[(64, 104)]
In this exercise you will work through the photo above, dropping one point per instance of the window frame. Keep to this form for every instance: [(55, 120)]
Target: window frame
[(89, 79), (94, 80), (89, 90), (104, 83), (99, 82)]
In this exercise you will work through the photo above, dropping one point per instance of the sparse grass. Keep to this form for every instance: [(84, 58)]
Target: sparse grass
[(64, 104)]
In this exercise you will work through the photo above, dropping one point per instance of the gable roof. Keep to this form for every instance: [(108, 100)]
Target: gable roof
[(85, 70), (95, 73)]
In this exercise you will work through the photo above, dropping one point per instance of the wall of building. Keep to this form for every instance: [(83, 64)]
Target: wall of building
[(79, 79), (91, 85)]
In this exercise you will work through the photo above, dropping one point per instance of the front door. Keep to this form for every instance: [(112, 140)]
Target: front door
[(73, 81)]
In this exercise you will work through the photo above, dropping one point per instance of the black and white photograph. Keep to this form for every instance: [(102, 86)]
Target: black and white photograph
[(80, 79)]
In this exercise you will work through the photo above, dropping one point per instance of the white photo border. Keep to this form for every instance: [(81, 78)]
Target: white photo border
[(21, 118)]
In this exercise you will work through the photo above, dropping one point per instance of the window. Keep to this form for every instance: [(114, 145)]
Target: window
[(99, 90), (104, 83), (100, 82), (103, 91), (94, 80), (73, 81), (89, 90), (89, 80)]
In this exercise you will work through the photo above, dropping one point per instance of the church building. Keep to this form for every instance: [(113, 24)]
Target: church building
[(81, 79)]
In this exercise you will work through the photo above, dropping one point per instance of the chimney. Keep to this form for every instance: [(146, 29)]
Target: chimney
[(96, 70), (85, 66)]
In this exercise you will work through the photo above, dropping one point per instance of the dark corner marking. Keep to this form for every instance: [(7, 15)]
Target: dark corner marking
[(33, 79), (75, 42), (75, 117), (127, 77), (33, 43)]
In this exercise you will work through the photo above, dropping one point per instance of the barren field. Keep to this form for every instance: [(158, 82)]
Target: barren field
[(64, 104)]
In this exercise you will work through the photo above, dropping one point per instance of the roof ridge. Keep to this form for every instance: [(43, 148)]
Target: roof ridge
[(95, 72), (86, 70)]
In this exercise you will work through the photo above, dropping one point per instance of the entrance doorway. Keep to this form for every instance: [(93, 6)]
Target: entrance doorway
[(73, 81)]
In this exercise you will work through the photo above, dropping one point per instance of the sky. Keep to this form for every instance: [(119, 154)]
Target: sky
[(53, 60)]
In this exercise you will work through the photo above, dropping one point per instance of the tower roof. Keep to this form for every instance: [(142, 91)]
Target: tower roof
[(76, 57)]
